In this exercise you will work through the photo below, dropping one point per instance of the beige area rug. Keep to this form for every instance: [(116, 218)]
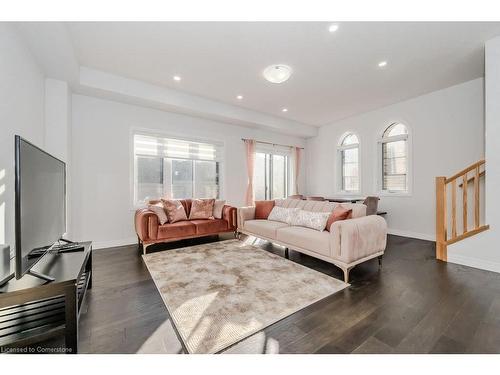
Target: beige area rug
[(219, 293)]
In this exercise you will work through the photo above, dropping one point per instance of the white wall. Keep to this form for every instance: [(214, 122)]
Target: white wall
[(101, 159), (447, 134), (58, 132), (21, 112), (482, 251)]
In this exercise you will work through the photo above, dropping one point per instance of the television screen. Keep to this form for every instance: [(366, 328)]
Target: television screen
[(40, 204)]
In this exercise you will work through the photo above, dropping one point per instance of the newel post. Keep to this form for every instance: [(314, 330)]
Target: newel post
[(441, 251)]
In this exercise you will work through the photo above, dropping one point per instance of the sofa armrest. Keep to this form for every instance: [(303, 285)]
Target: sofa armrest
[(229, 214), (146, 224), (245, 213), (358, 238)]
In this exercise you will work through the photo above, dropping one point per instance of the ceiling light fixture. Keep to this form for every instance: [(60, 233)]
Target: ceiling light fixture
[(284, 110), (333, 28), (177, 78), (382, 64), (277, 73), (239, 97)]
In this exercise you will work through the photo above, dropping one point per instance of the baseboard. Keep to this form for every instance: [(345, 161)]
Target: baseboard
[(404, 233), (114, 243), (482, 264)]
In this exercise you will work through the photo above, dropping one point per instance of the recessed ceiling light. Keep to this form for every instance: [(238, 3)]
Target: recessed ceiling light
[(333, 28), (382, 64), (284, 110), (177, 78), (239, 97), (277, 73)]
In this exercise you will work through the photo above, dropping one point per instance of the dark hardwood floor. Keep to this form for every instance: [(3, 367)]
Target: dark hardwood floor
[(414, 304)]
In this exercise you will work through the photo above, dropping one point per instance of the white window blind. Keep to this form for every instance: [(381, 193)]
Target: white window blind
[(148, 145), (175, 168)]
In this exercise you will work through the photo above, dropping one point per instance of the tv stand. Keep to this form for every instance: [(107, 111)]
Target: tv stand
[(32, 310), (40, 275)]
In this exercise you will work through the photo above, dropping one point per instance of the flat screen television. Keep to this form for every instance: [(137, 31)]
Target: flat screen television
[(40, 203)]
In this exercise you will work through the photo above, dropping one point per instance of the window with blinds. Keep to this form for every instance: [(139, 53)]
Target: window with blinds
[(349, 163), (395, 158), (175, 168)]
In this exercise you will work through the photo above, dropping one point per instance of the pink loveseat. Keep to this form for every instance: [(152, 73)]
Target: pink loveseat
[(150, 231)]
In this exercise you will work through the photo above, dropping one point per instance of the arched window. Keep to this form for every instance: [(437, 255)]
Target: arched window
[(395, 166), (348, 152)]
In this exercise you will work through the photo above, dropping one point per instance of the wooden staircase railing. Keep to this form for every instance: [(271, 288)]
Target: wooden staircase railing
[(443, 239)]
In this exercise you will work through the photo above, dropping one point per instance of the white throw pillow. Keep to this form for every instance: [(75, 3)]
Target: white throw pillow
[(282, 214), (310, 219), (218, 206)]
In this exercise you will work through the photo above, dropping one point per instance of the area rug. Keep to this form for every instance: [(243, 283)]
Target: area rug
[(220, 293)]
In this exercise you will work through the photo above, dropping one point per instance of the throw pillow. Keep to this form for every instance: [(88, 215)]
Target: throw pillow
[(311, 219), (338, 213), (158, 209), (282, 214), (175, 210), (218, 207), (263, 209), (202, 209)]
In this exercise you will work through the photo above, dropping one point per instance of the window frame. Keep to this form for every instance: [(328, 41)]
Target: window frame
[(340, 166), (409, 159), (270, 150), (134, 205)]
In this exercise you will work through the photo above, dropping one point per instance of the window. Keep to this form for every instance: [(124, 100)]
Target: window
[(394, 152), (271, 174), (175, 168), (348, 152)]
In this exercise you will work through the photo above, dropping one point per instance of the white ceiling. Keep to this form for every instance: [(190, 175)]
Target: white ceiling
[(335, 75)]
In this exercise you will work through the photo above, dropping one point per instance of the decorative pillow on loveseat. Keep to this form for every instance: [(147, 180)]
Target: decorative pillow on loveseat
[(310, 219), (282, 214), (202, 209), (175, 210), (263, 209), (218, 207), (159, 210)]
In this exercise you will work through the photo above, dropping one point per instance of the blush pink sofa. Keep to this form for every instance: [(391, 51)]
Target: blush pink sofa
[(348, 243), (150, 231)]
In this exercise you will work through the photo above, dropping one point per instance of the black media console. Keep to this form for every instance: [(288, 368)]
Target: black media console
[(32, 310)]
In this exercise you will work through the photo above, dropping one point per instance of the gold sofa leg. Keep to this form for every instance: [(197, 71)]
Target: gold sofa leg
[(346, 274)]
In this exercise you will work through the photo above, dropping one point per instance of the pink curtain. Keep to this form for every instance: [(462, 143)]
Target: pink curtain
[(250, 150), (296, 167)]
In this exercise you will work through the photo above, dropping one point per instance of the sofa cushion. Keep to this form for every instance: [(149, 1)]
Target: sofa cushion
[(281, 214), (175, 210), (159, 210), (202, 209), (310, 219), (306, 238), (175, 230), (263, 209), (212, 226), (358, 209), (266, 228), (218, 207), (186, 203), (339, 213)]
